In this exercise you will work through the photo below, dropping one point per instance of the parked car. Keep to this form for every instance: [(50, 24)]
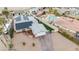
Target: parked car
[(77, 35), (6, 28)]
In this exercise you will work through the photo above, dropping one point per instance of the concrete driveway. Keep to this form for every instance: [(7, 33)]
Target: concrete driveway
[(18, 40), (46, 42), (60, 43), (50, 42)]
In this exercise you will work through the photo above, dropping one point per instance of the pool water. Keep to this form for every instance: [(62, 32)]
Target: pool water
[(52, 18)]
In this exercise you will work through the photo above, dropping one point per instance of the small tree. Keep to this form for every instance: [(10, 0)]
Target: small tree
[(1, 21), (24, 43), (33, 44), (66, 13), (50, 10), (54, 11), (5, 12)]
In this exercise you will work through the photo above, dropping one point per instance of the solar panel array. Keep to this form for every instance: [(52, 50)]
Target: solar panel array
[(18, 18), (23, 25), (25, 18)]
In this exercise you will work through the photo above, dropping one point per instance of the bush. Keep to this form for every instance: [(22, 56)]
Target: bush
[(10, 46), (33, 44), (24, 43), (11, 31)]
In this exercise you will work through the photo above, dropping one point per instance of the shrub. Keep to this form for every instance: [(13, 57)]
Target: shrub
[(33, 44), (24, 43), (11, 31), (10, 46)]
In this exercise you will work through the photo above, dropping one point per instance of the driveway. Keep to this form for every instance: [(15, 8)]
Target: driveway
[(50, 42), (18, 40), (46, 42), (60, 43)]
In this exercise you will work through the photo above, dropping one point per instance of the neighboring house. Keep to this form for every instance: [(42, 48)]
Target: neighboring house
[(72, 11), (22, 22), (33, 10), (69, 24), (6, 28), (37, 11)]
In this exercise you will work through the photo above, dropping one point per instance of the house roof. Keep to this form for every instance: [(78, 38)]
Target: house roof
[(22, 22), (24, 18), (18, 18), (26, 22), (21, 18), (38, 29)]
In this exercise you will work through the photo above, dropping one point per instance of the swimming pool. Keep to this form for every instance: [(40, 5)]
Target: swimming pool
[(51, 18)]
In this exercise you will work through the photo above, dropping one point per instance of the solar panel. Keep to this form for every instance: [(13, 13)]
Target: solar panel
[(23, 25), (25, 18), (18, 18)]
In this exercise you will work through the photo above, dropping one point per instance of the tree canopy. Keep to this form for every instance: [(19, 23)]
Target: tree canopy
[(54, 11), (1, 23), (5, 12)]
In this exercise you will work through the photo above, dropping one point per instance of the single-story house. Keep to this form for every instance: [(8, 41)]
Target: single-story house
[(22, 22)]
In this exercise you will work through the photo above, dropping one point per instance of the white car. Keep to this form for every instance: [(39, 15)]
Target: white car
[(6, 28)]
